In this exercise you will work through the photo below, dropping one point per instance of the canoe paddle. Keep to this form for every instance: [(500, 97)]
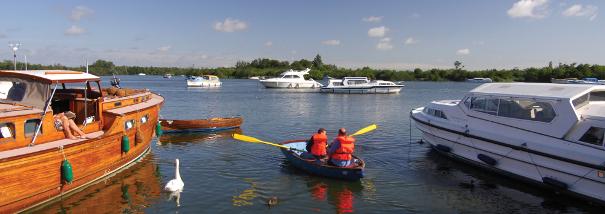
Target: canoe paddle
[(254, 140)]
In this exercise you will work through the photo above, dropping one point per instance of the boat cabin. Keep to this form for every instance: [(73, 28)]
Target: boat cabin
[(294, 75), (573, 112)]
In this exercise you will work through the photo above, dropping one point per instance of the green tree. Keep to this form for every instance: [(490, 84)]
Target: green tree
[(317, 62)]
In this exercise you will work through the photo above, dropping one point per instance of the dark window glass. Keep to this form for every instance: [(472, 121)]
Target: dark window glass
[(30, 127), (594, 135), (580, 101), (597, 96)]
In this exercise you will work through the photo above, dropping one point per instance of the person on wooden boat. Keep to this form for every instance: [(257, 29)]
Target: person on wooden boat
[(65, 122), (317, 144), (341, 149)]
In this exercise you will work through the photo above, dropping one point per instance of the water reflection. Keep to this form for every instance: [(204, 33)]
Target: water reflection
[(131, 190), (196, 137), (340, 194)]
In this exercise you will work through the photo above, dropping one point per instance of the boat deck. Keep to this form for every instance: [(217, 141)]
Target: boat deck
[(46, 146)]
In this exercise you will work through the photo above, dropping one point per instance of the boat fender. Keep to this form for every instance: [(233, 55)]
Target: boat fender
[(67, 173), (125, 144), (487, 159), (158, 129), (138, 138), (554, 183), (443, 148)]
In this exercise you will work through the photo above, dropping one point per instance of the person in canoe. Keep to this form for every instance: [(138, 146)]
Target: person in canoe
[(317, 144), (341, 149)]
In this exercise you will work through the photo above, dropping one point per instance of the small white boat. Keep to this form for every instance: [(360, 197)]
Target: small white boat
[(254, 78), (547, 134), (142, 74), (479, 80), (588, 80), (167, 76), (291, 79), (360, 85), (204, 81)]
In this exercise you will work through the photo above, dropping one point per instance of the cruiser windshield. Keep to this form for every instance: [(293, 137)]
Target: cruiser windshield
[(23, 91)]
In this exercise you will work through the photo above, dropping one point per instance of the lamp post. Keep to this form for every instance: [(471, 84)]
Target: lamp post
[(14, 47)]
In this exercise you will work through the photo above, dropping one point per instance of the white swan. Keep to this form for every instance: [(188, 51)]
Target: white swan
[(176, 184)]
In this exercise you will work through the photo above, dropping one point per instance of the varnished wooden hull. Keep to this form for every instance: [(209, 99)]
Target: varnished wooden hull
[(202, 125), (33, 179)]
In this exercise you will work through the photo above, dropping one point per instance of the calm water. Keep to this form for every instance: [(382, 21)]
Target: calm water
[(222, 175)]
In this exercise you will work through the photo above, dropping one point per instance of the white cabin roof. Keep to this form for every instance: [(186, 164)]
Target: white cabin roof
[(543, 90), (53, 76), (293, 72)]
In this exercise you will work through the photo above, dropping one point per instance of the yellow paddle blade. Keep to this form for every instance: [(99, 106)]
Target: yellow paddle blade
[(254, 140), (365, 130)]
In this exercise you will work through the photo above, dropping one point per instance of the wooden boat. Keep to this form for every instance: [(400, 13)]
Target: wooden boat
[(312, 166), (196, 137), (201, 125), (33, 169)]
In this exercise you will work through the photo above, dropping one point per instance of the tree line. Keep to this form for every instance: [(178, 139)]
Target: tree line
[(271, 67)]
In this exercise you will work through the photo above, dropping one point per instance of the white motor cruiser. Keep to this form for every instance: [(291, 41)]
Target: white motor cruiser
[(204, 81), (291, 79), (360, 85), (548, 134)]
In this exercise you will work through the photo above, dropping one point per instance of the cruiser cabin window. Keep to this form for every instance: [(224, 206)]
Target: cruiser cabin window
[(525, 109), (594, 136), (30, 127)]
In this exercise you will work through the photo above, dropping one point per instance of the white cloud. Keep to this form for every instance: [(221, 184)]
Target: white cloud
[(580, 10), (528, 8), (80, 12), (268, 44), (74, 31), (372, 19), (230, 25), (410, 41), (464, 51), (384, 44), (378, 31), (165, 48), (332, 42)]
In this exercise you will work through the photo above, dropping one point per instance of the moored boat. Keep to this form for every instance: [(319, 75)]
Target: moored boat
[(201, 125), (360, 85), (291, 80), (547, 134), (354, 172), (167, 76), (38, 162), (204, 81), (480, 80)]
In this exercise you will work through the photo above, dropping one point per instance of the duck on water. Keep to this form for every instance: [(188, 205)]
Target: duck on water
[(547, 134)]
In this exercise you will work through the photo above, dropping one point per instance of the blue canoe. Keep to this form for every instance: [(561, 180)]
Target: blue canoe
[(354, 172)]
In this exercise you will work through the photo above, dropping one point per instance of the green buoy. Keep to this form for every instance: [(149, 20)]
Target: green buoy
[(66, 172), (125, 144), (158, 129)]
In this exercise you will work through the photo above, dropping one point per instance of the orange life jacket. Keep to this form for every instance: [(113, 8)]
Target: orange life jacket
[(319, 144), (346, 148)]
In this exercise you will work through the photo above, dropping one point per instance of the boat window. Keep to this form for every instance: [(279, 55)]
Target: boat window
[(594, 135), (467, 102), (478, 103), (7, 131), (526, 110), (597, 96), (580, 101), (434, 112), (30, 127), (144, 119), (206, 77), (129, 124), (337, 83), (356, 82)]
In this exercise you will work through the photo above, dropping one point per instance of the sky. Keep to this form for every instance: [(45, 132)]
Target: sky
[(392, 34)]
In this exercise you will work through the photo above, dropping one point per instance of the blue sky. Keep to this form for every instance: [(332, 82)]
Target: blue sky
[(351, 33)]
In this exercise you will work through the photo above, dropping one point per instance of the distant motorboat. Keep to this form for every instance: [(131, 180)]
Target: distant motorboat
[(291, 79), (254, 78), (479, 80), (142, 74), (360, 85), (167, 76), (204, 81)]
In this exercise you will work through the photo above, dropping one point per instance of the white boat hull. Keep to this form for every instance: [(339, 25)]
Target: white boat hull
[(203, 84), (515, 161), (362, 90), (290, 85)]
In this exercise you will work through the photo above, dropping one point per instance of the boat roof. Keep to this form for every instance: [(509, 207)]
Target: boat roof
[(52, 76), (293, 72), (209, 76), (544, 90)]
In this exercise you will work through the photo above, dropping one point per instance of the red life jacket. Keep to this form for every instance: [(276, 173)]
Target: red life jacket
[(346, 148), (319, 144)]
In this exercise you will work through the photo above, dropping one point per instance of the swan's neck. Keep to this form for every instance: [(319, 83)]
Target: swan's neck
[(177, 175)]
